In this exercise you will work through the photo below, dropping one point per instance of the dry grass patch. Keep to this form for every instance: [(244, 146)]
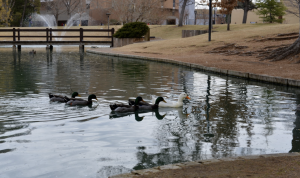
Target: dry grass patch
[(239, 34)]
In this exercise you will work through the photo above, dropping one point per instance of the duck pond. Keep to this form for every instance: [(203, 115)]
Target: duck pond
[(225, 117)]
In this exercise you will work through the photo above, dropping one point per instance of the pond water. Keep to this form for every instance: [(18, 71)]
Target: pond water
[(225, 117)]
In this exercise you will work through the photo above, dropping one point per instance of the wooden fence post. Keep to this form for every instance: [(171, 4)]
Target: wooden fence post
[(81, 34), (14, 34), (47, 35), (19, 36), (50, 34), (112, 37), (51, 47), (147, 36), (19, 46), (81, 46)]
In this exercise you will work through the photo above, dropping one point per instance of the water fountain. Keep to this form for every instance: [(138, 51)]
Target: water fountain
[(48, 20), (74, 21), (45, 20)]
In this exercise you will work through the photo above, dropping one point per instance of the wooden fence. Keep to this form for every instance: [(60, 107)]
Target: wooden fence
[(49, 36)]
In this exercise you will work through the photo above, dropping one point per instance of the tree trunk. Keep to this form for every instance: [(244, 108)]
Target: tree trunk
[(56, 18), (182, 13), (228, 22), (246, 11), (25, 4), (284, 52)]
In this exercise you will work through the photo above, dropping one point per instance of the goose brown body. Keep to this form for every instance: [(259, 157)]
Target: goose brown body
[(81, 102), (62, 99)]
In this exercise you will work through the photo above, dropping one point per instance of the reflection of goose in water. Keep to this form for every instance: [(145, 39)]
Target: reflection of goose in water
[(114, 115), (177, 111), (158, 116), (32, 52), (173, 104)]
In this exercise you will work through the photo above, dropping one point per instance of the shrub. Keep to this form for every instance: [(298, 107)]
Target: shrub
[(114, 22), (132, 30)]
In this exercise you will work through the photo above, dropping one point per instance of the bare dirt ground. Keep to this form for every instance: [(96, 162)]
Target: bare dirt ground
[(276, 167)]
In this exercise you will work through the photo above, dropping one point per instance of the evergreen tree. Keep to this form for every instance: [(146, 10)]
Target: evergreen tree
[(32, 6), (271, 10)]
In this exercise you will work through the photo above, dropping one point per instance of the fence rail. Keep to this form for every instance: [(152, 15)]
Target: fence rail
[(16, 36)]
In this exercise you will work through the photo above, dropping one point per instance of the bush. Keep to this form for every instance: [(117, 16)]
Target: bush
[(114, 22), (132, 30)]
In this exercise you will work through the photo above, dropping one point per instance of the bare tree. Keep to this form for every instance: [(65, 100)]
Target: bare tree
[(292, 50), (292, 7), (135, 10), (186, 17), (81, 10), (157, 16), (181, 16), (55, 7), (182, 6), (71, 5), (125, 11)]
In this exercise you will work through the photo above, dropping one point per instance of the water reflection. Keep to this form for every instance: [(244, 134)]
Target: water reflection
[(225, 116), (49, 58), (138, 118), (296, 134)]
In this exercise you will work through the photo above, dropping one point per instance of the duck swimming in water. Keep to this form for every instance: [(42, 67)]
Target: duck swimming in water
[(173, 104), (32, 52), (81, 102), (62, 99), (152, 106), (127, 108), (132, 101)]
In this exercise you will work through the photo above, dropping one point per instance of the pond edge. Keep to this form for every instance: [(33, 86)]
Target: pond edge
[(198, 163), (248, 76)]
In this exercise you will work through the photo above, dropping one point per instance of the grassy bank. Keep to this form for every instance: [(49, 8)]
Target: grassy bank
[(174, 44)]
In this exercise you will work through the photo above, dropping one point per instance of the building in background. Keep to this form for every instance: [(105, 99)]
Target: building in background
[(202, 17), (162, 12), (93, 12)]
